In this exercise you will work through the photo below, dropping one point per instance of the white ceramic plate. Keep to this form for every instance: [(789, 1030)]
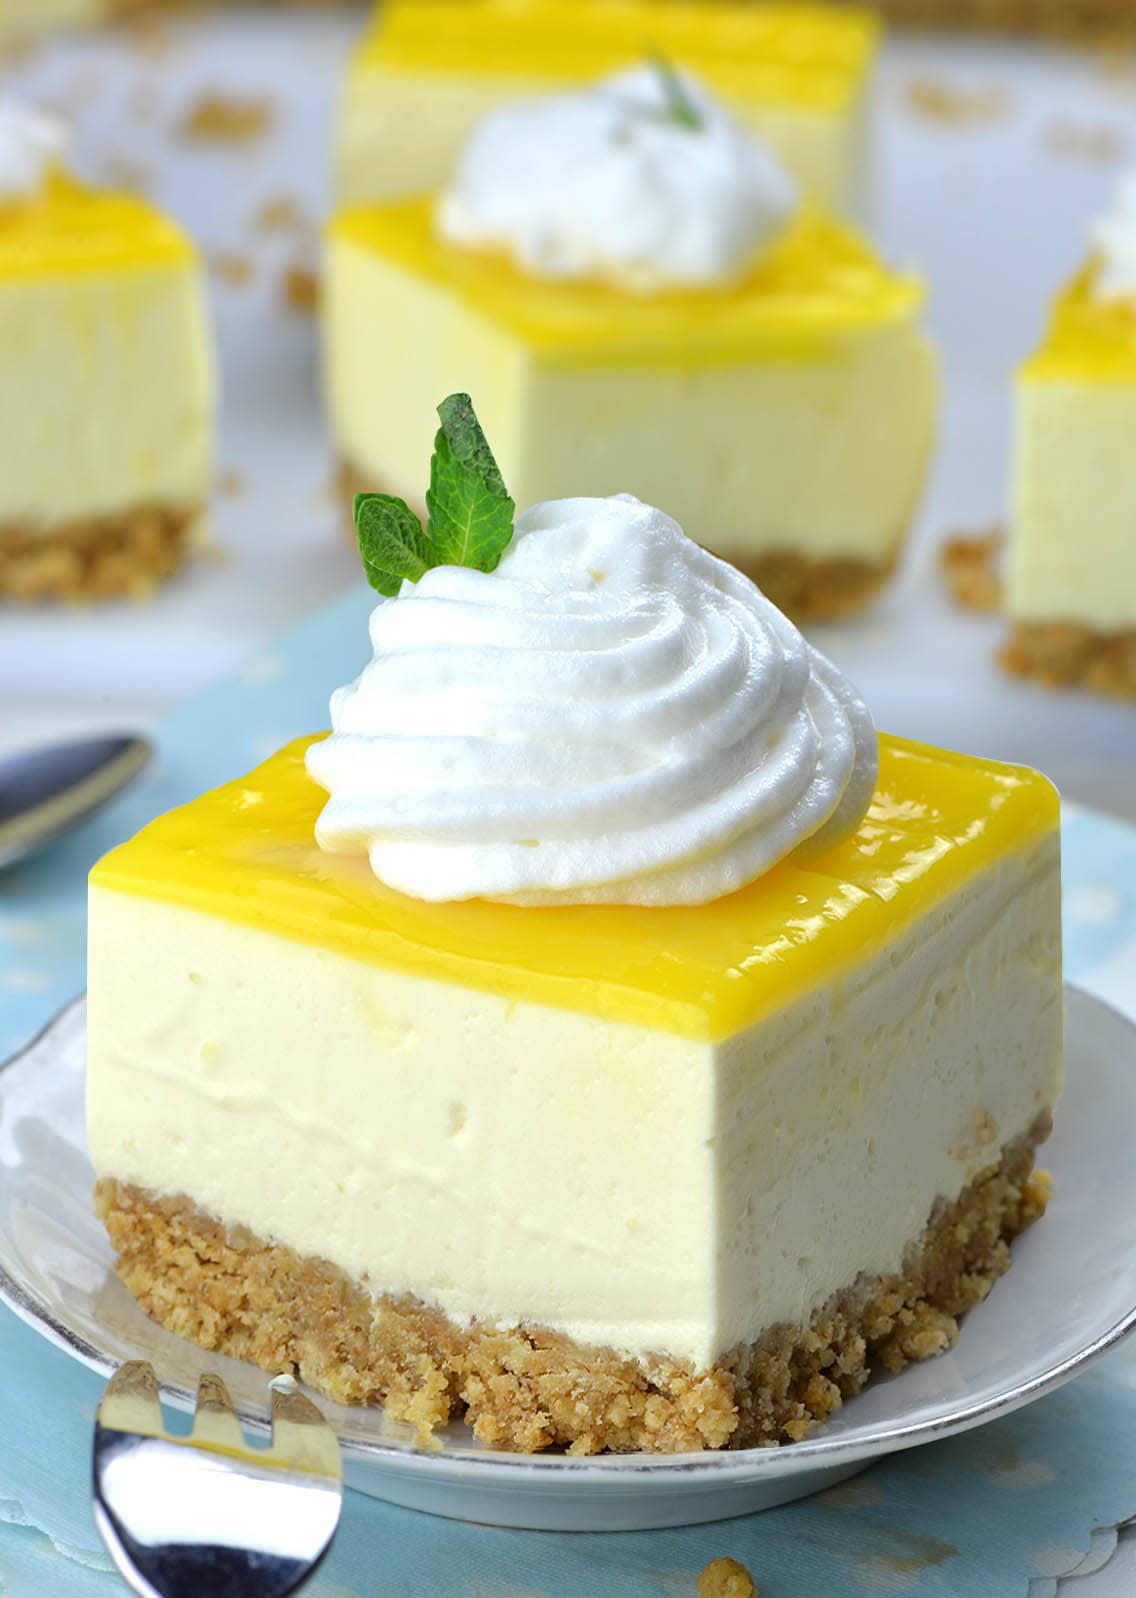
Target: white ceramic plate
[(1070, 1295)]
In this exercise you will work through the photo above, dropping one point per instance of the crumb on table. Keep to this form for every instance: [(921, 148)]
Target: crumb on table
[(226, 118), (726, 1578), (969, 564), (952, 106), (299, 289)]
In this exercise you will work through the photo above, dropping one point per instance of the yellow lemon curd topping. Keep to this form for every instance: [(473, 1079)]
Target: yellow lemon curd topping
[(810, 55), (822, 281), (1087, 339), (68, 229), (246, 853)]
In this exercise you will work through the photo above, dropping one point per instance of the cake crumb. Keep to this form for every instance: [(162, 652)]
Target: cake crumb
[(984, 1126), (726, 1578), (230, 483), (968, 564), (1099, 143), (227, 119), (299, 288), (280, 213), (936, 101), (153, 37), (231, 268)]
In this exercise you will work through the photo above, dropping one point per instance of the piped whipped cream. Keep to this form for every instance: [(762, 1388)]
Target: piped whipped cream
[(607, 183), (612, 716), (1114, 237), (30, 144)]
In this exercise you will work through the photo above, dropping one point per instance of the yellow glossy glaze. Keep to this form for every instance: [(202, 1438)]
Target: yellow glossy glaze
[(1087, 339), (822, 282), (67, 229), (809, 55), (246, 852)]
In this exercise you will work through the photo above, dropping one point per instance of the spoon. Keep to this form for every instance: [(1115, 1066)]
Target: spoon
[(45, 792)]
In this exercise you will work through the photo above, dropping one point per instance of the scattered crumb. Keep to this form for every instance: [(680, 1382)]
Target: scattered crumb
[(1099, 143), (227, 119), (969, 565), (123, 172), (937, 101), (281, 214), (299, 289), (726, 1578), (230, 483), (152, 37), (1116, 67), (231, 268), (1037, 1192), (984, 1127)]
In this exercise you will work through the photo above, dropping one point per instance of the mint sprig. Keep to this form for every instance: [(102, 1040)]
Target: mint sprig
[(680, 107), (470, 520)]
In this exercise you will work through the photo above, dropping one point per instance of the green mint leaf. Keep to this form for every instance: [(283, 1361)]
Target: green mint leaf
[(471, 514), (680, 107), (391, 542)]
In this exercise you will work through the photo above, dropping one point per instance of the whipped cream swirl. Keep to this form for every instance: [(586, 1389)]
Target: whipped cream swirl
[(612, 716), (30, 144), (607, 183), (1115, 239)]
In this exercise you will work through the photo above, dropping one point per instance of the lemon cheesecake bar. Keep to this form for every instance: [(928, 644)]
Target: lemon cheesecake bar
[(106, 386), (644, 304), (596, 1035), (1071, 559), (425, 71)]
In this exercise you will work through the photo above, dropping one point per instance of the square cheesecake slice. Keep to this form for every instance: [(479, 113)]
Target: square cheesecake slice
[(604, 1177), (427, 70), (1071, 556), (106, 395), (787, 422)]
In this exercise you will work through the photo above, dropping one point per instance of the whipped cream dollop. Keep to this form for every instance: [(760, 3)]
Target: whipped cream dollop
[(31, 142), (1114, 238), (608, 183), (613, 715)]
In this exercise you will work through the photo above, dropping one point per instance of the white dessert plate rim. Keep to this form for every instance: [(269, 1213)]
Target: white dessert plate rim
[(399, 1450)]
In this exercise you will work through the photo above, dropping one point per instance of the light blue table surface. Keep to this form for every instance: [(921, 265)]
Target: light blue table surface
[(980, 1516)]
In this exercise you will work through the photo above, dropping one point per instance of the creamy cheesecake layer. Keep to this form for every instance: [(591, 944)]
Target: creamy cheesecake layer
[(21, 20), (510, 1162), (1071, 556), (800, 76), (653, 1130), (106, 382), (793, 416)]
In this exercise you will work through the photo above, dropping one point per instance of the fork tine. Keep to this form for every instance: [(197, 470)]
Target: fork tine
[(215, 1421), (300, 1435), (131, 1402)]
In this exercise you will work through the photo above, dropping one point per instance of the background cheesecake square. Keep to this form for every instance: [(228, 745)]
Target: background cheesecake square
[(427, 70), (106, 395), (787, 421), (1071, 557)]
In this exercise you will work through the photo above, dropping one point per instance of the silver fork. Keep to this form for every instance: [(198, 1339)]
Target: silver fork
[(206, 1516)]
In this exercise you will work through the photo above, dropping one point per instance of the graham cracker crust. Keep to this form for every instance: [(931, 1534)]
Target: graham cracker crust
[(100, 557), (1065, 655), (528, 1388), (804, 588), (1100, 20), (807, 589)]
